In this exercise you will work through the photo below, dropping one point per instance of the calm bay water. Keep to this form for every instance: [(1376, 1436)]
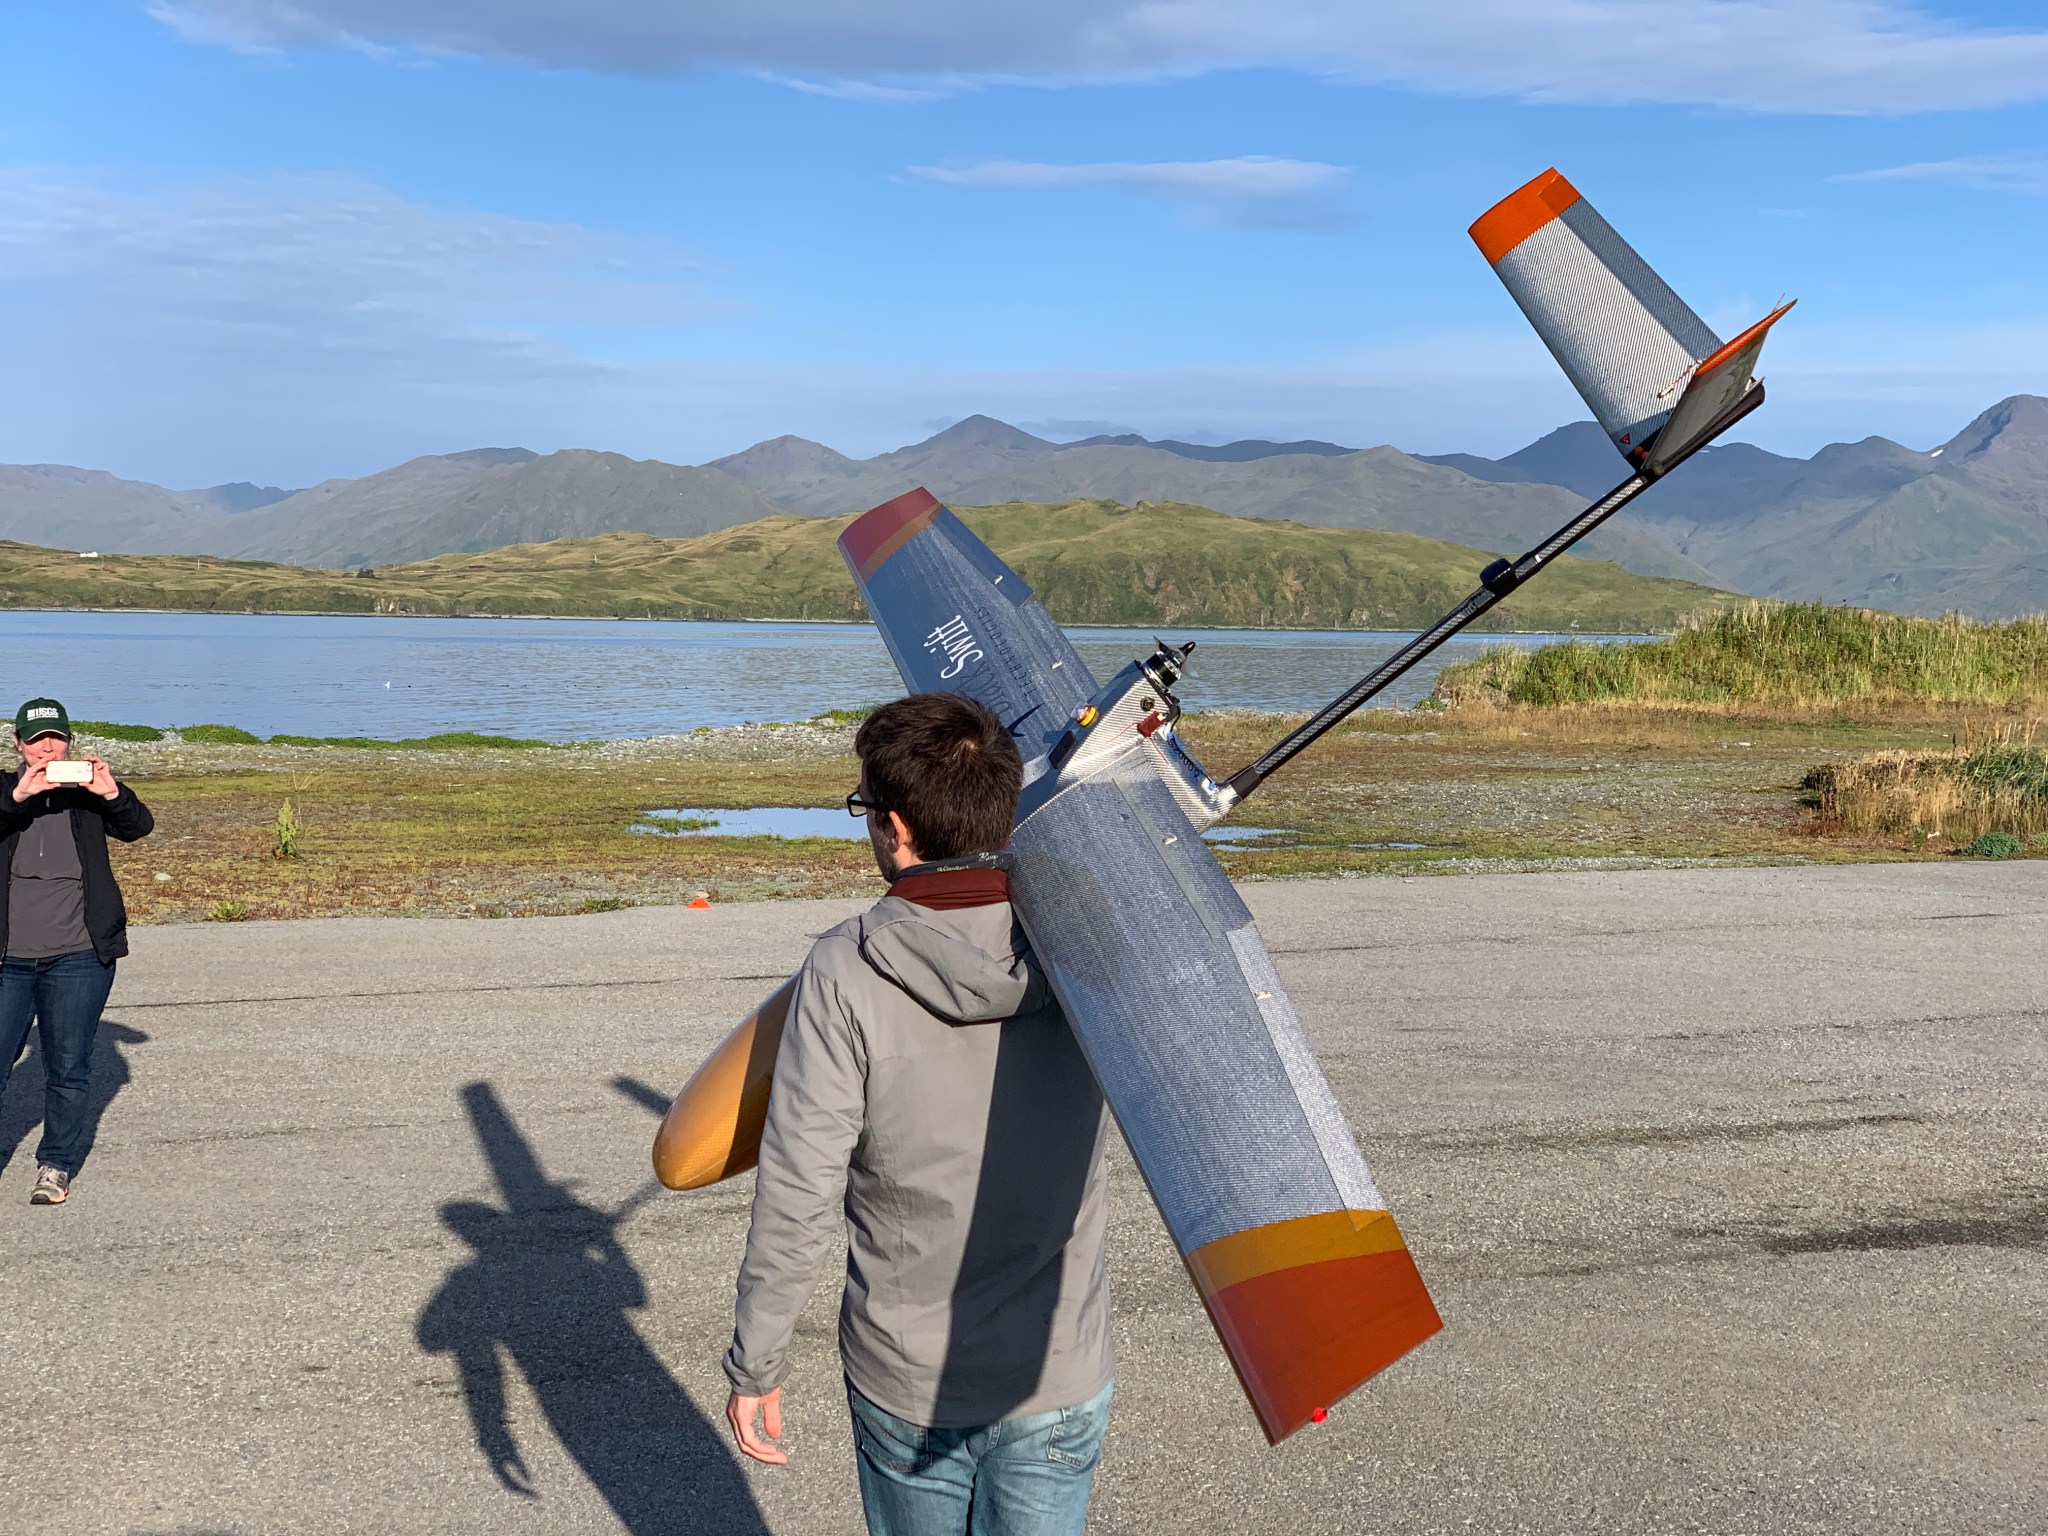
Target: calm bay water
[(579, 679)]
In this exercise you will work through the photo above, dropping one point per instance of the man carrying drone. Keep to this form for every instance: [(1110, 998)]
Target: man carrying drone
[(926, 1072), (892, 1060)]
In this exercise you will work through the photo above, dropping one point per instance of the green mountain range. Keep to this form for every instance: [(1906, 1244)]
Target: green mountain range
[(1964, 526), (1093, 562)]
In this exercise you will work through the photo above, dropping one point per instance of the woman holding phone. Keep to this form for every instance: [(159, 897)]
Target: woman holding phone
[(62, 923)]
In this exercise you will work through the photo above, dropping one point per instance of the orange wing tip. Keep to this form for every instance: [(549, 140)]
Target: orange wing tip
[(875, 535), (1303, 1331), (1521, 213)]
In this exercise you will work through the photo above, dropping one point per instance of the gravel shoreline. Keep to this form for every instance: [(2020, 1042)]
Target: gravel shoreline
[(750, 743)]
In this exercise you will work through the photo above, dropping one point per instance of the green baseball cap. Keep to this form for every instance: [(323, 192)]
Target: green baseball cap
[(41, 717)]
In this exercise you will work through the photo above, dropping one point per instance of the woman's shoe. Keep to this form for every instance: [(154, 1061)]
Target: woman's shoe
[(52, 1187)]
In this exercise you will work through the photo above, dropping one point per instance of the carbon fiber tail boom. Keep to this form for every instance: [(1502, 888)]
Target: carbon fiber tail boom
[(1495, 583)]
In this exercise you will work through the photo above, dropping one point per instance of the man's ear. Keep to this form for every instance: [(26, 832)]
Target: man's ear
[(899, 831)]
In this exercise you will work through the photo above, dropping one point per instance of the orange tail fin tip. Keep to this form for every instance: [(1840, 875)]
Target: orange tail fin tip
[(1521, 213)]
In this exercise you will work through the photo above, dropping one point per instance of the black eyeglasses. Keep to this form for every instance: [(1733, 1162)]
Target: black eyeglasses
[(856, 806)]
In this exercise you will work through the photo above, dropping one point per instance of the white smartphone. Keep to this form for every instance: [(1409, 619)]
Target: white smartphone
[(65, 771)]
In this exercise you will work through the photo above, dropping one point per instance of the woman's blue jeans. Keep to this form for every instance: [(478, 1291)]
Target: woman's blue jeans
[(1021, 1477), (64, 994)]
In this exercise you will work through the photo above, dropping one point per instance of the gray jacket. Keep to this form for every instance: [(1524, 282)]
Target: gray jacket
[(928, 1077)]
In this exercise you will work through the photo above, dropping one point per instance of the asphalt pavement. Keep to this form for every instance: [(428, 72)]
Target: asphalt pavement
[(1729, 1185)]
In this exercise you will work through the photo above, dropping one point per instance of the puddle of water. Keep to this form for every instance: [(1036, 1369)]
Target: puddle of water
[(757, 821), (1237, 839), (808, 821)]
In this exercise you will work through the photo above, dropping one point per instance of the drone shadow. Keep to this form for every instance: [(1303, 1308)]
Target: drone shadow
[(549, 1286)]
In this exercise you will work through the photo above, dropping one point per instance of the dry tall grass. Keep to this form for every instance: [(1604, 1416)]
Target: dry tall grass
[(1994, 779)]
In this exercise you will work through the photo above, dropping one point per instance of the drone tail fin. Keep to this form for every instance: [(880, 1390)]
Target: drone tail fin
[(1627, 342)]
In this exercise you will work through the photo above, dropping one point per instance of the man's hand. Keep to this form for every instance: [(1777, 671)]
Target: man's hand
[(32, 782), (103, 783), (758, 1443)]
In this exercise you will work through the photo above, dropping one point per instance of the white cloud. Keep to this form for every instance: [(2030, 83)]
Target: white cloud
[(859, 90), (1984, 173), (1830, 56), (1247, 176), (335, 245), (1249, 191), (289, 312)]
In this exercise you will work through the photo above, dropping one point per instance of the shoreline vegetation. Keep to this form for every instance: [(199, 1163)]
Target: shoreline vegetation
[(216, 735), (1762, 735), (1800, 656), (1091, 562)]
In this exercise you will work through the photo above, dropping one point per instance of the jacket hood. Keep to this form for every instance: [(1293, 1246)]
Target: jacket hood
[(972, 965)]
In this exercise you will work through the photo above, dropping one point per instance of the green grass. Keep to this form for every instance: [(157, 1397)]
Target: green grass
[(1995, 845), (287, 832), (2020, 768), (684, 823), (217, 735), (1777, 654)]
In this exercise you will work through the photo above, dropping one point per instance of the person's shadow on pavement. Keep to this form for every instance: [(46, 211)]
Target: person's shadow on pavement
[(550, 1285), (21, 1108)]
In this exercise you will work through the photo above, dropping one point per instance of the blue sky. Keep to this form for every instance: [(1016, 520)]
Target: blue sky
[(246, 239)]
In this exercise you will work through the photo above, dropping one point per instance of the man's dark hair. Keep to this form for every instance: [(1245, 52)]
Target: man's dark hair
[(946, 766)]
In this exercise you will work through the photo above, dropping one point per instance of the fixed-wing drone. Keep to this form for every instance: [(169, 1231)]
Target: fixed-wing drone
[(1154, 958)]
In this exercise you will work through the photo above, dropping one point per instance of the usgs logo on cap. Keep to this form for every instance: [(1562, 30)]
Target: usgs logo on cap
[(43, 713)]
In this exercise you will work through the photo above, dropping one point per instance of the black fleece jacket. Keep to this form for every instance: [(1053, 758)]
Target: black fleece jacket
[(92, 820)]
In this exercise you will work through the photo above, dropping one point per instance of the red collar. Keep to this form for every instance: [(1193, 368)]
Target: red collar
[(944, 890)]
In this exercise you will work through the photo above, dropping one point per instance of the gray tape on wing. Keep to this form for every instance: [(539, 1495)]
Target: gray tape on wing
[(1326, 1121)]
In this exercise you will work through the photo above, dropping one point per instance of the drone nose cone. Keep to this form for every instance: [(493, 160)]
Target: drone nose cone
[(713, 1129)]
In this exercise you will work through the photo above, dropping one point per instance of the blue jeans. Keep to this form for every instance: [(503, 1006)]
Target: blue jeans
[(1021, 1477), (64, 994)]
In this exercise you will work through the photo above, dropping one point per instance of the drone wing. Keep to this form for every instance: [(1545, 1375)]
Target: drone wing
[(958, 620), (1653, 373), (1168, 986)]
